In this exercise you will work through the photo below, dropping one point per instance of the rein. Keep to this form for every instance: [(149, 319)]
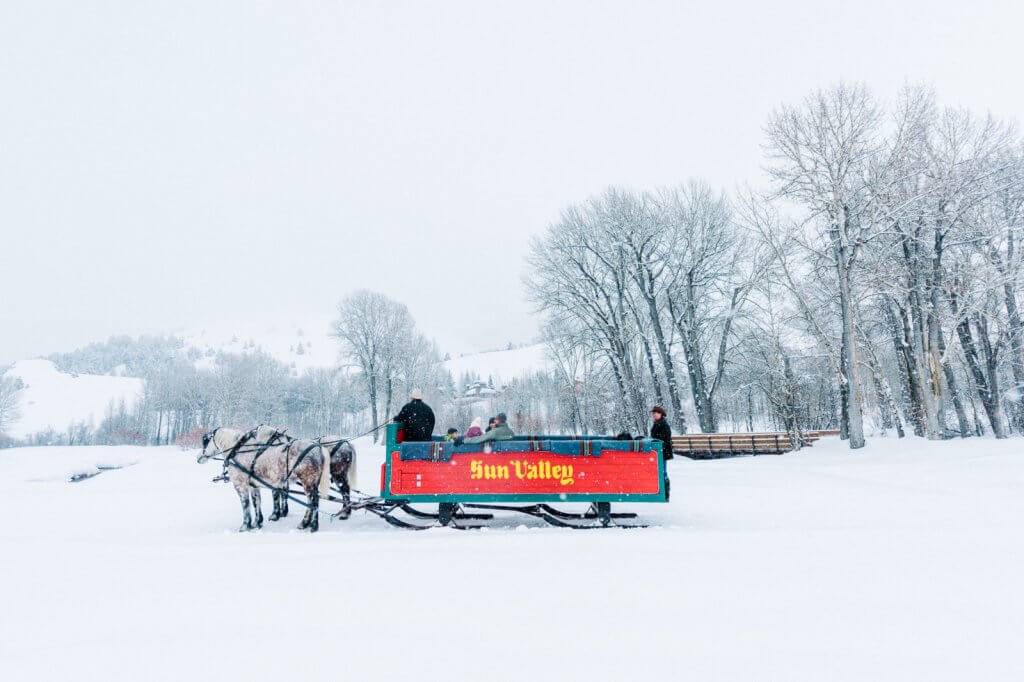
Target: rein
[(339, 441)]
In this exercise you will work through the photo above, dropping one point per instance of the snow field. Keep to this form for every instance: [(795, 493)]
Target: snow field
[(900, 562)]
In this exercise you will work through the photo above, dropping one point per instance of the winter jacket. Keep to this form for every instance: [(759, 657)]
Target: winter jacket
[(499, 432), (660, 430), (417, 420), (474, 431)]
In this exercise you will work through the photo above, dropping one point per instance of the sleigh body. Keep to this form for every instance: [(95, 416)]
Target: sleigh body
[(590, 469)]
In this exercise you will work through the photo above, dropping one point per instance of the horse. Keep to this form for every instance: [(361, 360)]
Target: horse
[(342, 455), (267, 453), (304, 463)]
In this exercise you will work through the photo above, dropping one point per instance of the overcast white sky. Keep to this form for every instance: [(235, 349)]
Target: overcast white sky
[(163, 165)]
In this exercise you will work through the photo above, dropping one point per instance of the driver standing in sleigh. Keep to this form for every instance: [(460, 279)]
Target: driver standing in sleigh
[(416, 418)]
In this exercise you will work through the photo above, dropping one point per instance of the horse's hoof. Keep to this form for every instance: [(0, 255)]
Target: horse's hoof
[(275, 516), (244, 529), (344, 514)]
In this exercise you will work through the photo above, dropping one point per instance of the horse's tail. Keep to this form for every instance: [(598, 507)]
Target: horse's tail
[(325, 471), (353, 481)]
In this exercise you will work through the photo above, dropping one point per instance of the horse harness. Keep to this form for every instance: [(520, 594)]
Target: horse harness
[(337, 446), (302, 455), (233, 452)]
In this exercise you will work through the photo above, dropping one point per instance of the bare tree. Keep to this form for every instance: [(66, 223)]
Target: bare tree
[(579, 272), (10, 393), (372, 329), (821, 154), (710, 275)]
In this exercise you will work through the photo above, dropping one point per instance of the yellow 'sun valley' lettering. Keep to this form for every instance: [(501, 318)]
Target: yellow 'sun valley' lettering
[(542, 470), (478, 469)]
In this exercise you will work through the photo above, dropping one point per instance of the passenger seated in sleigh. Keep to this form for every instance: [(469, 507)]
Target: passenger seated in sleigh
[(501, 431)]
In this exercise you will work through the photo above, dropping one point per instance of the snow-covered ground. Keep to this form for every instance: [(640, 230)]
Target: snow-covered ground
[(53, 399), (899, 562)]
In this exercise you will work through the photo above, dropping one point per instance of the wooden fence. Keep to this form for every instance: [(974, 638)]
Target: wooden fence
[(716, 445)]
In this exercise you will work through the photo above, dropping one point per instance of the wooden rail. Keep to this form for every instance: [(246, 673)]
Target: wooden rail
[(717, 445)]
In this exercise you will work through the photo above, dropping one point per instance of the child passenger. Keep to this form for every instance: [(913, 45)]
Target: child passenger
[(474, 429)]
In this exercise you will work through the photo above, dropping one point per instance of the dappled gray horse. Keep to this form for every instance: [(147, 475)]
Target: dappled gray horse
[(267, 453), (240, 447), (304, 461), (342, 455)]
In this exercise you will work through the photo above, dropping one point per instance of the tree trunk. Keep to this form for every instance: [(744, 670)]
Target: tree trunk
[(921, 366), (694, 361), (883, 394), (848, 361), (389, 395), (659, 397), (1016, 348), (620, 383), (666, 360), (750, 410), (899, 330), (994, 410), (989, 400), (954, 390), (374, 416), (698, 384), (159, 424)]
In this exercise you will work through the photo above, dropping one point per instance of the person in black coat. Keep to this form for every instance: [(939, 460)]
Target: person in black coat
[(416, 418), (660, 430)]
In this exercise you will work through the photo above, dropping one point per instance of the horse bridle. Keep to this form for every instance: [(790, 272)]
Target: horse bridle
[(209, 436)]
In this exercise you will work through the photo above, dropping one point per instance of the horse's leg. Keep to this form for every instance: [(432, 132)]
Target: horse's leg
[(309, 516), (243, 496), (314, 508), (284, 502), (277, 505), (346, 498), (258, 506)]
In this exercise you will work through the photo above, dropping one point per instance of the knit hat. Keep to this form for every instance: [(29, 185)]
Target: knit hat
[(416, 394), (502, 417), (477, 421), (659, 409)]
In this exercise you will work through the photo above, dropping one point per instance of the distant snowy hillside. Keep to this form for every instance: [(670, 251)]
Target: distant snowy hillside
[(308, 344), (300, 345), (53, 399), (501, 365)]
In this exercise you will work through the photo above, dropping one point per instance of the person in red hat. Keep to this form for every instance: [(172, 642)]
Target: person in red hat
[(660, 430)]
